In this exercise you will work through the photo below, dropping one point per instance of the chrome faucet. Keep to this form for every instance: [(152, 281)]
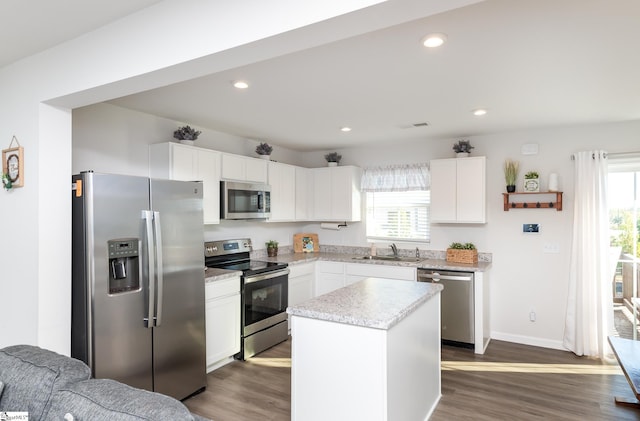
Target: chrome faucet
[(395, 249)]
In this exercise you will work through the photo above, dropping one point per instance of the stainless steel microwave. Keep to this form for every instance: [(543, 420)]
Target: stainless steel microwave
[(240, 200)]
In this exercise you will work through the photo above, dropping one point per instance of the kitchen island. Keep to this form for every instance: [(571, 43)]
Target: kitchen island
[(370, 350)]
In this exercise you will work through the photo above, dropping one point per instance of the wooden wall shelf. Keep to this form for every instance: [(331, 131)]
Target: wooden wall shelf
[(538, 204)]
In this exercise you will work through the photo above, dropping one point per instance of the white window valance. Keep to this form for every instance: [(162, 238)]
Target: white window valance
[(396, 178)]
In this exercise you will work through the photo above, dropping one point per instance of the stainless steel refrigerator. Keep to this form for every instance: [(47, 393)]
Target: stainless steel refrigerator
[(138, 308)]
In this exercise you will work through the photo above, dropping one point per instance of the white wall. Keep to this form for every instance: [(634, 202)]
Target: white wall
[(522, 277)]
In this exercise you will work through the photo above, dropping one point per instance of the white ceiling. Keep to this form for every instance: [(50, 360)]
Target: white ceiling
[(31, 26), (530, 63)]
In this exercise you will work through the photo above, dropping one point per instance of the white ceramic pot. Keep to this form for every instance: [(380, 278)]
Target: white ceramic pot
[(462, 154), (267, 157), (187, 142), (332, 164)]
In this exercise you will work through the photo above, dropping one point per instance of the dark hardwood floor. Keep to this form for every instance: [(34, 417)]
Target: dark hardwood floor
[(509, 382)]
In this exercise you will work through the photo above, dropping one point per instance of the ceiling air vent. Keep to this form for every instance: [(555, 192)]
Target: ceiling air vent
[(413, 125)]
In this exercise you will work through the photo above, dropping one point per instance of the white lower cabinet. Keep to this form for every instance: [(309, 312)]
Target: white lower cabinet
[(222, 309), (301, 280), (329, 277)]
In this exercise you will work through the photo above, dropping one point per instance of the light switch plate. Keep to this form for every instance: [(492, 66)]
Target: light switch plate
[(531, 228)]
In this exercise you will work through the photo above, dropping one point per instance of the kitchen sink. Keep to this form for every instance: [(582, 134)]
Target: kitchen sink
[(390, 258)]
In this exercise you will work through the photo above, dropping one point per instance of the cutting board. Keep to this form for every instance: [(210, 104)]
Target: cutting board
[(305, 243)]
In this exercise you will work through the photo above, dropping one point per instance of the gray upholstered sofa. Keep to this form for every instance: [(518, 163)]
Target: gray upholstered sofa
[(50, 386)]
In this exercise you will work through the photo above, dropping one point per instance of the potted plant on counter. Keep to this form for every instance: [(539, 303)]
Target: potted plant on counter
[(272, 248), (462, 253), (511, 169), (186, 135)]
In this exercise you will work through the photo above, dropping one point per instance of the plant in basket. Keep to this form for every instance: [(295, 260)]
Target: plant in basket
[(462, 253)]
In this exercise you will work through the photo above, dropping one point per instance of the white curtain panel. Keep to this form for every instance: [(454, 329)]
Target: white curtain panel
[(396, 178), (589, 317)]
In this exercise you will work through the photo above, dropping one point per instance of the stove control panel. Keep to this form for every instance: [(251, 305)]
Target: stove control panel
[(227, 247)]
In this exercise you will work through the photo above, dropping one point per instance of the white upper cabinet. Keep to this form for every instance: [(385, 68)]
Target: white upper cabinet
[(282, 179), (304, 196), (458, 190), (336, 193), (244, 168), (175, 161)]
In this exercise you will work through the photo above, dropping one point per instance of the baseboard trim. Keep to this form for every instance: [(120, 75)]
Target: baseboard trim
[(528, 340)]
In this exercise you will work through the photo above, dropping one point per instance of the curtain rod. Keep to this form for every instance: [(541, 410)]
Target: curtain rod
[(614, 155)]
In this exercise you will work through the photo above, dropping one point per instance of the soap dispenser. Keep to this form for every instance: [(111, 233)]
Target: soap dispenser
[(373, 249)]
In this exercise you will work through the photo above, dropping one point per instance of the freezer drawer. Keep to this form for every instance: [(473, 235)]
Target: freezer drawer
[(457, 304)]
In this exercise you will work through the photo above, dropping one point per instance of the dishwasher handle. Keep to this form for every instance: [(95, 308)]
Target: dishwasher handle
[(436, 277)]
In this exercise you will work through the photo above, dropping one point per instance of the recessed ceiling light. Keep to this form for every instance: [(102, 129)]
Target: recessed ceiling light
[(345, 129), (240, 84), (479, 112), (434, 40)]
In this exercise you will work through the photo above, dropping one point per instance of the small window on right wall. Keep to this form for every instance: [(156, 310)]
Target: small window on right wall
[(398, 216)]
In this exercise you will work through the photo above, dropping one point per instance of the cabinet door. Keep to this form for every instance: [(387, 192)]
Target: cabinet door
[(174, 161), (458, 191), (283, 190), (336, 194), (184, 163), (223, 328), (471, 195), (322, 200), (303, 196), (256, 170), (208, 170), (443, 190), (329, 277), (233, 167)]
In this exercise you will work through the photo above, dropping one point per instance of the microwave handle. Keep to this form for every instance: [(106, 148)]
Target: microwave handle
[(260, 201)]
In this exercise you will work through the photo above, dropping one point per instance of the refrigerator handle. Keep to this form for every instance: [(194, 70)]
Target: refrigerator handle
[(148, 217), (158, 236)]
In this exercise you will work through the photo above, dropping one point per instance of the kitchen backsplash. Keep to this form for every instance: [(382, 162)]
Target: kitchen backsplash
[(364, 251)]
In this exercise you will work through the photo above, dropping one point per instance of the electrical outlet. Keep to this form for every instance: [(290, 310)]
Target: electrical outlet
[(531, 228), (551, 248), (532, 316)]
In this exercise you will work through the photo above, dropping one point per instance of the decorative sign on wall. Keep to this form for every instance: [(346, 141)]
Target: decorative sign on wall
[(13, 165)]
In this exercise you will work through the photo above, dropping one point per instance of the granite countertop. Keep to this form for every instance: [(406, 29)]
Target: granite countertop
[(212, 275), (374, 303), (298, 258)]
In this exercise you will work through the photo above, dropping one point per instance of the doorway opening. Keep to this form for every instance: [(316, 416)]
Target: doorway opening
[(624, 225)]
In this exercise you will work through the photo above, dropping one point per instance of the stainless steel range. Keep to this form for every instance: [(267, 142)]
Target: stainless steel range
[(264, 292)]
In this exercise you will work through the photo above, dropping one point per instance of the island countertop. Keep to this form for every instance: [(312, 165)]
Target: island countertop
[(374, 302)]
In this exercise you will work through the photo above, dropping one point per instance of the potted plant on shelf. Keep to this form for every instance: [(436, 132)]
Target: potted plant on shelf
[(462, 253), (531, 182), (462, 148), (186, 135), (264, 150), (333, 159), (272, 248), (511, 169)]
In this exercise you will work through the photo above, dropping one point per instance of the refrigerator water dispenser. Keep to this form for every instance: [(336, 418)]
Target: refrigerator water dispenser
[(124, 266)]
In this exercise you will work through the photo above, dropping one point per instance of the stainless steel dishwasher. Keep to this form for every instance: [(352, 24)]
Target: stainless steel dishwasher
[(456, 303)]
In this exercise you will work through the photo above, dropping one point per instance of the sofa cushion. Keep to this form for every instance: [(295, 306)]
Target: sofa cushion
[(31, 375), (105, 399)]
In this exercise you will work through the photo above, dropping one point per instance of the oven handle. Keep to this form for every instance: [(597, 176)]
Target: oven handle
[(261, 277)]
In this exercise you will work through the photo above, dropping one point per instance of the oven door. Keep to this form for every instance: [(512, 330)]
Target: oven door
[(264, 300)]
